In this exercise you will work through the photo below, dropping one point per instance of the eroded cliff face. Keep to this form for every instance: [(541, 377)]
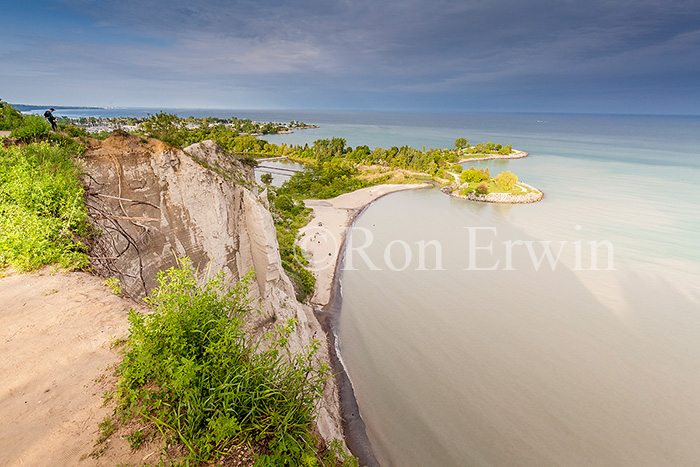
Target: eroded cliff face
[(154, 202)]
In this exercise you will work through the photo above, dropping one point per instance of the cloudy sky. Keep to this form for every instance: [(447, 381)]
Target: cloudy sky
[(601, 56)]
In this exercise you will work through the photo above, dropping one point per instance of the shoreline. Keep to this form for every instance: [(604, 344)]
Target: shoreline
[(324, 236), (327, 304), (501, 198), (516, 154)]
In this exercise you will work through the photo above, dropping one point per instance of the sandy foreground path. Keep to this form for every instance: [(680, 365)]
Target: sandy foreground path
[(324, 236), (56, 331)]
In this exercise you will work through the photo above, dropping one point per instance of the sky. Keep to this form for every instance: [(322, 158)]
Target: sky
[(592, 56)]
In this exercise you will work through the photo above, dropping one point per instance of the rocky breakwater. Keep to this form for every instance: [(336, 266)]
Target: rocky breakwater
[(516, 154), (154, 202), (532, 195)]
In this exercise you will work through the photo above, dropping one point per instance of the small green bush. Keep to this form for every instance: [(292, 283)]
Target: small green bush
[(114, 285), (482, 189), (285, 203), (33, 129), (191, 370), (9, 117), (266, 178), (72, 130), (505, 150)]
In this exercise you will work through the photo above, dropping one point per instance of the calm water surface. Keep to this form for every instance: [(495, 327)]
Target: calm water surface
[(558, 365)]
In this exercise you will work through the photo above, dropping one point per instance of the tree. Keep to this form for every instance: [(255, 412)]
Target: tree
[(475, 175), (506, 180), (482, 189), (165, 127), (266, 178), (505, 150), (461, 143)]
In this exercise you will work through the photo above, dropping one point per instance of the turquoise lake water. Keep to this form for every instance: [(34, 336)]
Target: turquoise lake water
[(467, 345)]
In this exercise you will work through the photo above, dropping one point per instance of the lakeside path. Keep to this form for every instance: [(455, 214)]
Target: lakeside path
[(324, 236)]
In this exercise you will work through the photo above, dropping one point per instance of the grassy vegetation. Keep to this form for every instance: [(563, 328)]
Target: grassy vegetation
[(491, 187), (290, 215), (42, 211), (9, 117), (191, 373)]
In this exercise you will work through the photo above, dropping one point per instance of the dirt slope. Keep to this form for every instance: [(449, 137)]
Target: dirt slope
[(56, 330)]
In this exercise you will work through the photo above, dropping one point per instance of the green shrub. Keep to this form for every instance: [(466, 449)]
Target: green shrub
[(72, 130), (506, 180), (165, 127), (9, 117), (114, 285), (505, 150), (32, 129), (266, 178), (71, 145), (473, 175), (482, 189), (284, 203), (464, 191), (42, 209), (191, 370)]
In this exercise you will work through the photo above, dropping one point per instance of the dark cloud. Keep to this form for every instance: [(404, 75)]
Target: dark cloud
[(445, 50)]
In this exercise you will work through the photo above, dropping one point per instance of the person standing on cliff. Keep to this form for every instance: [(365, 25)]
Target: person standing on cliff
[(48, 115)]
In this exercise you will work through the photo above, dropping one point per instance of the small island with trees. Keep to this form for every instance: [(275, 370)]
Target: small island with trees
[(478, 185)]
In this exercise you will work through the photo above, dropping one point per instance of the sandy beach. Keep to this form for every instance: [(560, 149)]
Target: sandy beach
[(324, 236)]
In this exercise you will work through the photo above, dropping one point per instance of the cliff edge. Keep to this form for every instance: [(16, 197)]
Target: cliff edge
[(154, 202)]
